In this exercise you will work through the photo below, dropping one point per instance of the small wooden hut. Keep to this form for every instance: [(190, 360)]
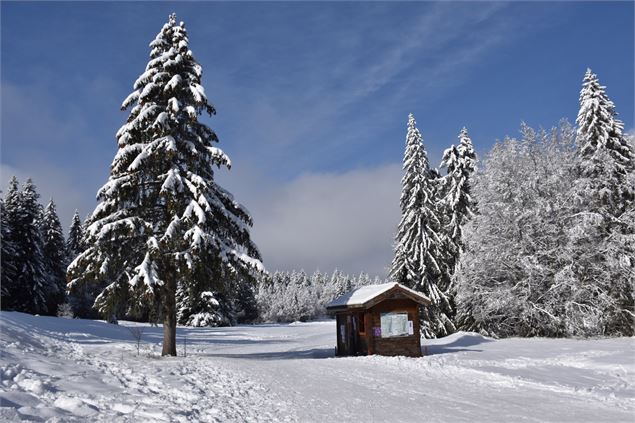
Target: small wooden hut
[(378, 319)]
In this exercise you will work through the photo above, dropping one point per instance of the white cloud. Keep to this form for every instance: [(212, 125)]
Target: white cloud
[(318, 220), (327, 220)]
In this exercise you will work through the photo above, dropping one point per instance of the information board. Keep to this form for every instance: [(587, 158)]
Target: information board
[(394, 324)]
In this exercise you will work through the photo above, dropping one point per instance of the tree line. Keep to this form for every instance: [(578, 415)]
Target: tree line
[(540, 241), (295, 296), (35, 255)]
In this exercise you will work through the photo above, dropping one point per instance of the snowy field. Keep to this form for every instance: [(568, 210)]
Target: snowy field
[(56, 369)]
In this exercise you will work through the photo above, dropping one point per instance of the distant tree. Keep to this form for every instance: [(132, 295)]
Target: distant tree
[(164, 225), (31, 286), (243, 299), (82, 297), (65, 311), (293, 296), (304, 296), (55, 259), (7, 243), (419, 241), (75, 242), (333, 287)]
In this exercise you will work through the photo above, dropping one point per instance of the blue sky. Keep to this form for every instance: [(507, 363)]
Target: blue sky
[(312, 99)]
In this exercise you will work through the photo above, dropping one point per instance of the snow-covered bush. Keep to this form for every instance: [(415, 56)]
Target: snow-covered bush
[(65, 310)]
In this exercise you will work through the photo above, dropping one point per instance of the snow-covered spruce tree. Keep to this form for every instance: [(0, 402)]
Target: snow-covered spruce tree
[(605, 155), (31, 287), (244, 308), (163, 223), (7, 258), (55, 259), (457, 202), (419, 241), (601, 236), (75, 241), (82, 297), (456, 207)]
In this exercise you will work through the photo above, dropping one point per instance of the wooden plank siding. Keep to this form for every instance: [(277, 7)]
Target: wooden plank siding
[(401, 345), (359, 321)]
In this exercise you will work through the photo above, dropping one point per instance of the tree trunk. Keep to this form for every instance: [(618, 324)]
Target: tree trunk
[(169, 320)]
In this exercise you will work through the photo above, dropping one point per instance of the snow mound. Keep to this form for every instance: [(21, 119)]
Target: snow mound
[(81, 370)]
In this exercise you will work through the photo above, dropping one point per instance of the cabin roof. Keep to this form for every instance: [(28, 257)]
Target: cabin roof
[(365, 296)]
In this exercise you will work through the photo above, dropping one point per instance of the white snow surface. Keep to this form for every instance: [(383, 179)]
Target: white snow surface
[(366, 293), (60, 370)]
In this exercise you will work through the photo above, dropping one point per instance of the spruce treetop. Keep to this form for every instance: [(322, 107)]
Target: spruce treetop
[(74, 244), (466, 150), (12, 196), (416, 168), (52, 233), (417, 240), (606, 158), (599, 129)]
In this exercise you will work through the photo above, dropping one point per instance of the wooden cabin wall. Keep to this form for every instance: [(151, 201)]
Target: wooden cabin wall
[(404, 345)]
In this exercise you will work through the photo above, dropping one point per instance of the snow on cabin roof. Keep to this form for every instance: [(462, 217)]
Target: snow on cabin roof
[(360, 296)]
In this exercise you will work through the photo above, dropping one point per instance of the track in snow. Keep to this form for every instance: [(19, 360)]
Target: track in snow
[(80, 370)]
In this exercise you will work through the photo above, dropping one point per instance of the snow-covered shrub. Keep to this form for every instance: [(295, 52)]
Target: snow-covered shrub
[(65, 310)]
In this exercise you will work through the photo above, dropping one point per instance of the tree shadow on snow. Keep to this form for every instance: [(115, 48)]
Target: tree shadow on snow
[(25, 328), (457, 342), (314, 353)]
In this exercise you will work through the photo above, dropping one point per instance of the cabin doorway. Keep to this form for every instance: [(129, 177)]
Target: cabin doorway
[(351, 334)]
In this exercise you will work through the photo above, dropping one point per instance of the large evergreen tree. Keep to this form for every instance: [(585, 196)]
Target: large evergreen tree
[(31, 285), (418, 261), (163, 222), (601, 235), (457, 202), (456, 208), (55, 259), (606, 158)]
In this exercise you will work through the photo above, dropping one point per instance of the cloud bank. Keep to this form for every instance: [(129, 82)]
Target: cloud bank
[(329, 220)]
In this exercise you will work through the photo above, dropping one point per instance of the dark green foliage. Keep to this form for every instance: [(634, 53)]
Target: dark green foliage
[(7, 258), (55, 259), (420, 262), (163, 224), (29, 289)]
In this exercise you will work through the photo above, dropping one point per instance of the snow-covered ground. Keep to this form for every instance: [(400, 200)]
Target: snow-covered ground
[(56, 369)]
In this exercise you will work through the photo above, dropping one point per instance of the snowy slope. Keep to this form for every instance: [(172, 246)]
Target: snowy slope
[(81, 370)]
